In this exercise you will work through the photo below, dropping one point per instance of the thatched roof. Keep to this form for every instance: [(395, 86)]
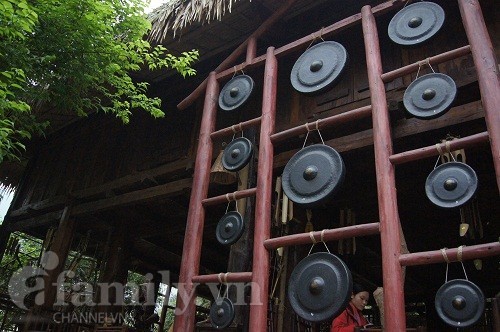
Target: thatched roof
[(174, 15)]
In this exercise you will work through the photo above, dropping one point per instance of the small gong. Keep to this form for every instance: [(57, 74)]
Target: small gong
[(430, 96), (236, 92), (451, 184), (459, 303), (319, 67), (230, 228), (313, 174), (416, 23), (320, 287), (237, 154), (222, 313)]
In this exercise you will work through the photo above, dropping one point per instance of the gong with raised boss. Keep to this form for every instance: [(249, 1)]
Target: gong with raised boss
[(236, 92), (451, 184), (319, 287), (313, 175), (430, 96), (416, 23), (237, 154), (222, 313), (230, 228), (459, 303), (319, 67)]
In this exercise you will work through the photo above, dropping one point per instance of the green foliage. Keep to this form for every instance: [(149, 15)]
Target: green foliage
[(78, 55)]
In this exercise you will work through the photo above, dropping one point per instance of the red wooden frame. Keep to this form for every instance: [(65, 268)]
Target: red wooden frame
[(385, 162)]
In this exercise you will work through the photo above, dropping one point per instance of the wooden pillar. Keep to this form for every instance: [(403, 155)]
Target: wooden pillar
[(386, 184), (488, 74), (60, 247), (161, 325), (262, 231), (251, 49), (4, 239), (495, 308), (193, 238), (116, 269)]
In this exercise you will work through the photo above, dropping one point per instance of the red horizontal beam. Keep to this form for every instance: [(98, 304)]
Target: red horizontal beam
[(235, 128), (433, 257), (303, 42), (293, 47), (429, 151), (229, 197), (224, 277), (328, 235), (437, 59), (355, 114)]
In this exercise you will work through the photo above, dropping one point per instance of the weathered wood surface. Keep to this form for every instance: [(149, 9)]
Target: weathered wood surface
[(404, 127), (108, 187)]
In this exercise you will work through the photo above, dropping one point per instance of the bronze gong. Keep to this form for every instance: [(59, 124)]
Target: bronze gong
[(416, 23), (230, 228), (236, 92), (319, 287), (451, 184), (237, 154), (222, 313), (319, 67), (430, 96), (313, 175), (459, 303)]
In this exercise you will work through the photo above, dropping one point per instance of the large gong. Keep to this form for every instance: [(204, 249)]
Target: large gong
[(459, 303), (230, 228), (451, 184), (430, 96), (313, 174), (416, 23), (320, 287), (236, 92), (222, 313), (319, 67), (237, 154)]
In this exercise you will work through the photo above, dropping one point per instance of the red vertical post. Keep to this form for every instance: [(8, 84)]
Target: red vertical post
[(262, 232), (386, 184), (193, 238), (488, 76)]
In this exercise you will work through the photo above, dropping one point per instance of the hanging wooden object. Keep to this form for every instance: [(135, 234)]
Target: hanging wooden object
[(219, 175)]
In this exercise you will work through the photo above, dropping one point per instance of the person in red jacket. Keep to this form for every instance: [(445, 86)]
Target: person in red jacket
[(352, 316)]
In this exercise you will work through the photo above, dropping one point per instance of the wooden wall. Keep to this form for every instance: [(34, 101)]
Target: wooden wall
[(100, 149)]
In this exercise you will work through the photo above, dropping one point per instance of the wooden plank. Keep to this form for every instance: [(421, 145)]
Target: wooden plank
[(60, 201), (46, 219), (138, 196), (404, 127)]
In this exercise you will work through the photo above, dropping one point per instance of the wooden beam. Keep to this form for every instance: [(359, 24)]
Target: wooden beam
[(303, 42), (403, 128), (324, 235), (430, 151), (43, 220), (453, 255), (433, 60), (131, 179), (60, 247), (138, 196)]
